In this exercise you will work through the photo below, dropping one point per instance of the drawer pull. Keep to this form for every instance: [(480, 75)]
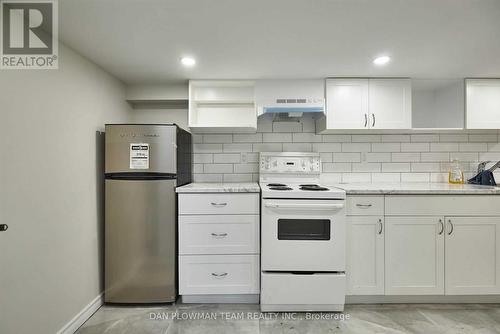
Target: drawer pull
[(219, 235), (364, 206), (219, 275), (219, 205)]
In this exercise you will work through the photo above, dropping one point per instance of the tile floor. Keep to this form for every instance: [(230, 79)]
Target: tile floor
[(226, 318)]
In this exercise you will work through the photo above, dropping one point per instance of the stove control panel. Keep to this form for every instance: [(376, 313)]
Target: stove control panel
[(290, 164)]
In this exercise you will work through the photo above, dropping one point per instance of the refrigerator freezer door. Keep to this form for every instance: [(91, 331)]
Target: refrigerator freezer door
[(140, 241), (159, 144)]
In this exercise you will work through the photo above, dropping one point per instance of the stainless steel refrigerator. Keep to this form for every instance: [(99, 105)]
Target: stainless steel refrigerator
[(143, 166)]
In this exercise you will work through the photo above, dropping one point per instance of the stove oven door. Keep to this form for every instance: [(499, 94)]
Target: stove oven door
[(303, 235)]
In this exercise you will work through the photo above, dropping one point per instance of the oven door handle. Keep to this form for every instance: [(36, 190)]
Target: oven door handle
[(337, 206)]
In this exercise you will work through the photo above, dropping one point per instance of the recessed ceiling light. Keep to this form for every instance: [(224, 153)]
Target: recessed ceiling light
[(382, 60), (188, 61)]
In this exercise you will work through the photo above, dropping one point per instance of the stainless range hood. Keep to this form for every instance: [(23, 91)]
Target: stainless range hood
[(290, 98)]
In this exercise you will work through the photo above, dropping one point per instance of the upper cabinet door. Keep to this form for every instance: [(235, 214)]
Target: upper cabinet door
[(347, 103), (390, 103), (483, 103)]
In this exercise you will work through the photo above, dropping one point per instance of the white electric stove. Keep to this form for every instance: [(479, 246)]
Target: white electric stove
[(302, 236)]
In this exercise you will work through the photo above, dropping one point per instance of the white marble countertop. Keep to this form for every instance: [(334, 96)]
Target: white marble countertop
[(416, 189), (227, 187)]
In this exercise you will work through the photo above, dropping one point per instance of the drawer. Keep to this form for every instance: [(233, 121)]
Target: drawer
[(213, 234), (218, 274), (216, 204), (287, 291), (442, 205), (365, 205)]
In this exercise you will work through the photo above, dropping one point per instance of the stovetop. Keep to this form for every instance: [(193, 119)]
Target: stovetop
[(294, 175), (300, 190)]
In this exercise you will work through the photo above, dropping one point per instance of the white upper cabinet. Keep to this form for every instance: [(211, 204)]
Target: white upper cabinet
[(222, 106), (483, 103), (347, 103), (390, 103), (354, 104)]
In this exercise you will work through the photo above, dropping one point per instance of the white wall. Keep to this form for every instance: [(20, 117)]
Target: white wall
[(160, 115), (174, 91), (50, 192)]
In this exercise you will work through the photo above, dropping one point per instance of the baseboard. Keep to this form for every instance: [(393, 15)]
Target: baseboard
[(301, 307), (426, 299), (82, 316)]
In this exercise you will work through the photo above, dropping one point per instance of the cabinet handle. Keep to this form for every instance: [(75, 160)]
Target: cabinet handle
[(380, 226), (4, 227), (373, 123), (219, 275), (219, 235), (364, 206), (442, 227), (451, 225), (366, 120), (218, 205)]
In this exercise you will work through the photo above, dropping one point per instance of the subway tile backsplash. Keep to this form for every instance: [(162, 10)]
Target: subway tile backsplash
[(344, 157)]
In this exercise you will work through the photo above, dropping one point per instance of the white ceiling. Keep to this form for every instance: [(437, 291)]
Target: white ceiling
[(142, 41)]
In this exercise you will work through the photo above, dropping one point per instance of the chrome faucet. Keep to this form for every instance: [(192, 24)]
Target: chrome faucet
[(481, 167)]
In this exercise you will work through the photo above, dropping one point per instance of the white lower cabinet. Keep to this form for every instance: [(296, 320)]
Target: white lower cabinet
[(218, 234), (219, 247), (365, 255), (414, 256), (430, 245), (219, 274), (218, 204), (472, 249)]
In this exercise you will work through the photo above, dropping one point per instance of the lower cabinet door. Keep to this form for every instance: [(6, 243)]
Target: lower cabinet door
[(219, 274), (365, 255), (414, 249), (472, 255)]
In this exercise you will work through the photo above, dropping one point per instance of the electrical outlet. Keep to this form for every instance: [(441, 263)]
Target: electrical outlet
[(244, 157), (363, 156)]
